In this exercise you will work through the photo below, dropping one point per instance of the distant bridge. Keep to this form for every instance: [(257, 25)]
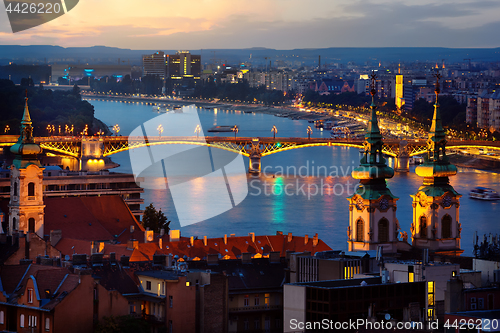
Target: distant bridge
[(94, 147)]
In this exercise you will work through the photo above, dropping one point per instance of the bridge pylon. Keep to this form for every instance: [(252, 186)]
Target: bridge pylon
[(255, 155), (402, 163), (91, 158)]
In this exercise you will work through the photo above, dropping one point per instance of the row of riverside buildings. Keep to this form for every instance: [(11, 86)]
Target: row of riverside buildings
[(68, 262)]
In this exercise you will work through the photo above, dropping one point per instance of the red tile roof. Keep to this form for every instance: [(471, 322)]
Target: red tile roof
[(68, 246), (91, 218), (235, 246)]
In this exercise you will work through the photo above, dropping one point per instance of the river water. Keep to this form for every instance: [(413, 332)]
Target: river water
[(317, 181)]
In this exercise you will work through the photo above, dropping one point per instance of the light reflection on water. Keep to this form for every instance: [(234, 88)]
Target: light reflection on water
[(300, 214)]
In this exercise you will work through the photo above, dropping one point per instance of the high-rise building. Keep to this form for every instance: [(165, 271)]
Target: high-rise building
[(183, 66), (399, 91), (154, 64)]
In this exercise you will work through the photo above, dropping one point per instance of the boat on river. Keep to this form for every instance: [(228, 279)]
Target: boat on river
[(484, 193)]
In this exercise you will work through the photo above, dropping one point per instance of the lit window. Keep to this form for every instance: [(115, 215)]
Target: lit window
[(30, 295)]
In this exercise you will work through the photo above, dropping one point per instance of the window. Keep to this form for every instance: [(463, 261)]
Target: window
[(171, 301), (21, 321), (132, 307), (430, 299), (246, 301), (383, 230), (47, 324), (159, 289), (257, 300), (246, 325), (266, 299), (148, 285), (423, 227), (170, 326), (2, 319), (14, 223), (31, 224), (15, 189), (31, 189), (30, 295), (446, 226), (360, 227), (256, 324)]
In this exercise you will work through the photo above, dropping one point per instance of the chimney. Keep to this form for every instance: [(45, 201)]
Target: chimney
[(191, 240), (252, 234), (160, 243), (124, 260), (205, 241), (162, 232), (175, 235), (169, 260), (55, 237), (148, 236), (315, 240), (279, 233), (246, 258), (289, 237), (306, 239), (132, 244), (225, 239), (274, 257), (232, 235)]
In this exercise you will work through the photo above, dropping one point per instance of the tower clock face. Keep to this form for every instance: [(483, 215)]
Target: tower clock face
[(383, 204), (447, 201)]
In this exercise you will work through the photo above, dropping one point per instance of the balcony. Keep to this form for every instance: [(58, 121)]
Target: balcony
[(256, 308)]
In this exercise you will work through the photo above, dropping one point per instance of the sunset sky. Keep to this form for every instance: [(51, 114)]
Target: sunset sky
[(279, 24)]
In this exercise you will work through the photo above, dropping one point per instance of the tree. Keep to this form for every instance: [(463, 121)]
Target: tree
[(155, 220)]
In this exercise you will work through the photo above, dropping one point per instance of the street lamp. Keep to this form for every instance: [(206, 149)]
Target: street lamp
[(160, 130), (309, 131), (274, 130), (197, 130), (7, 129), (116, 129), (235, 130)]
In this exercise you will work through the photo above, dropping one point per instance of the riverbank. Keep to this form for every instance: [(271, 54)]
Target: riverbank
[(285, 112), (476, 162)]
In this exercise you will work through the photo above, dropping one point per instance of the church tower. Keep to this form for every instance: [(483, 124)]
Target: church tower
[(436, 205), (26, 177), (372, 207)]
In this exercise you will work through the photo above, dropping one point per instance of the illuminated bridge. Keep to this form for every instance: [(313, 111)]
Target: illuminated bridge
[(92, 148)]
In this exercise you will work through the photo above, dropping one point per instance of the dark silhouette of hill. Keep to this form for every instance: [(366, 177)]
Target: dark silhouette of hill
[(111, 55)]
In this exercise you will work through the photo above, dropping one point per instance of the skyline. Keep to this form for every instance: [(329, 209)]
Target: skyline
[(274, 24)]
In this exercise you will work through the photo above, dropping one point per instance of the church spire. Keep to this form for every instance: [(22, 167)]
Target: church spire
[(436, 166), (436, 223), (26, 115), (26, 149), (373, 169)]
